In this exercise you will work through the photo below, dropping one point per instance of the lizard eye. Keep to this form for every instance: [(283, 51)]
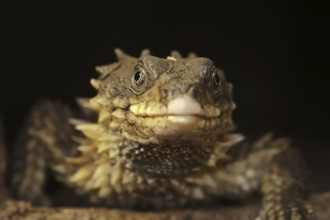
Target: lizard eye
[(215, 83), (139, 81), (138, 77), (215, 79)]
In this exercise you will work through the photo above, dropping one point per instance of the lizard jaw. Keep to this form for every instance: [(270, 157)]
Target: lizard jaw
[(181, 105), (159, 129), (182, 115)]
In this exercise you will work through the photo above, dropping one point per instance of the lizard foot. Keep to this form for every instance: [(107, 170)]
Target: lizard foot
[(297, 212)]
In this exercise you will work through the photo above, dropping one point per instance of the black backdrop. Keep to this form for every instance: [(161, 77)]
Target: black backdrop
[(275, 52)]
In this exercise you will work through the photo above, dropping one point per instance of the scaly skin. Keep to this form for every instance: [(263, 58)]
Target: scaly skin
[(163, 139)]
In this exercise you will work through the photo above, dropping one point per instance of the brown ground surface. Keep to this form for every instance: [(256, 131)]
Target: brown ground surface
[(22, 210)]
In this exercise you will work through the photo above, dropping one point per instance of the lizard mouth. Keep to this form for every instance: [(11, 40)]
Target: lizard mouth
[(181, 112), (181, 119)]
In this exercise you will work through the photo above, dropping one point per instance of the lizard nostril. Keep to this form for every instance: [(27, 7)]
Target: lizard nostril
[(196, 92), (173, 92)]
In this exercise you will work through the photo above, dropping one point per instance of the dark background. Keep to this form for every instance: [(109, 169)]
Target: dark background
[(275, 52)]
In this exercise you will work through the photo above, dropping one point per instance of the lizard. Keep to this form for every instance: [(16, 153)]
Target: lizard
[(157, 135)]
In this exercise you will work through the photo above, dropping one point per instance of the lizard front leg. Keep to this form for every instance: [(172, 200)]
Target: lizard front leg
[(284, 189), (44, 140), (278, 171)]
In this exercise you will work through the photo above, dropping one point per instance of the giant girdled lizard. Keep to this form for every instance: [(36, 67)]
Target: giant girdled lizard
[(158, 135)]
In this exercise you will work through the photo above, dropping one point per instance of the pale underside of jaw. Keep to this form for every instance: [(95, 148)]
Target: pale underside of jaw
[(180, 111)]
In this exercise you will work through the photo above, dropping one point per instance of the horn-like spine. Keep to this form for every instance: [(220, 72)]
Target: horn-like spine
[(145, 52), (121, 55), (176, 54), (192, 55)]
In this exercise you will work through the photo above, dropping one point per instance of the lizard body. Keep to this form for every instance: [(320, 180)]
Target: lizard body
[(163, 138)]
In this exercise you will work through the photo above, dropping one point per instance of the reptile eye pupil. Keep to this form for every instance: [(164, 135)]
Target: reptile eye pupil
[(137, 76)]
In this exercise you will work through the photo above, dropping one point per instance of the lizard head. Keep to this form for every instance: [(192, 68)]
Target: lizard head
[(154, 100), (168, 113)]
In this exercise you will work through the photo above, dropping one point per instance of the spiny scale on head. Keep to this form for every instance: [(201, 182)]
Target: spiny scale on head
[(121, 56)]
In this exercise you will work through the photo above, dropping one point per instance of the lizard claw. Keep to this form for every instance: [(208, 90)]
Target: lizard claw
[(297, 212)]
